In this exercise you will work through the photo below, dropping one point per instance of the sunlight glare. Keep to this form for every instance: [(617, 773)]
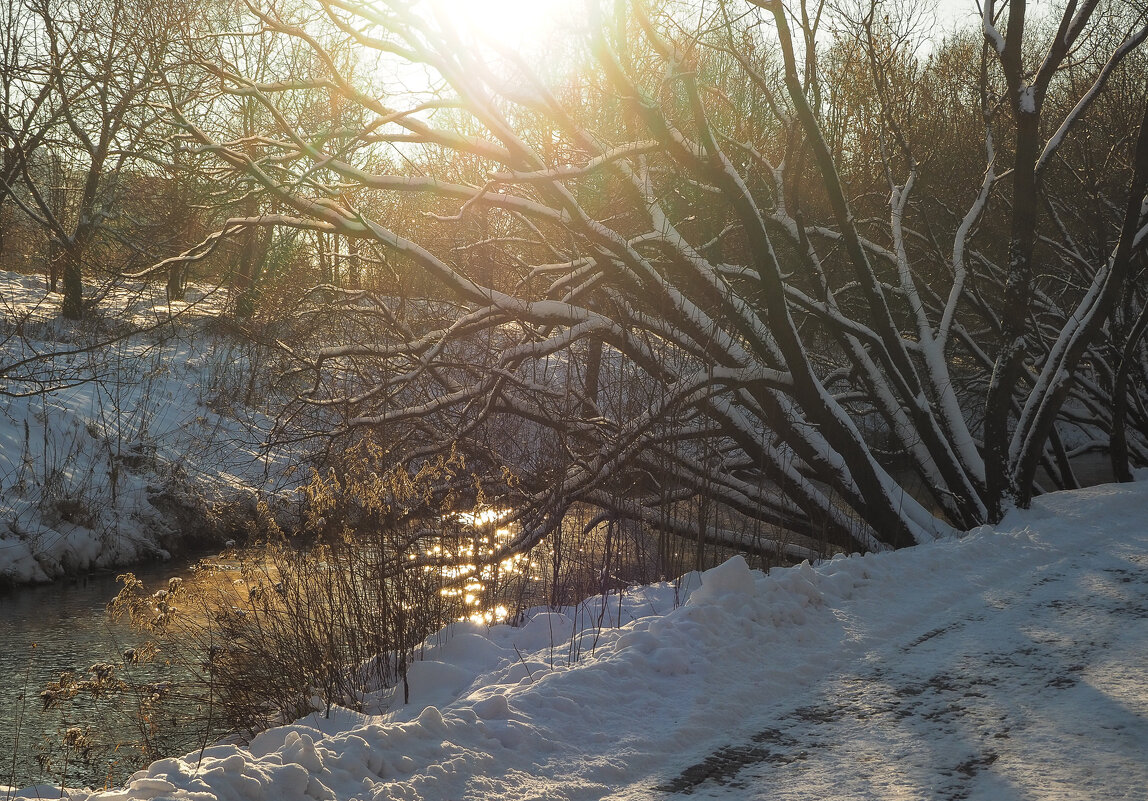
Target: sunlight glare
[(490, 616), (515, 23), (482, 517)]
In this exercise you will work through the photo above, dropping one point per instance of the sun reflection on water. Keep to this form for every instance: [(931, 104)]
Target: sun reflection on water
[(471, 555)]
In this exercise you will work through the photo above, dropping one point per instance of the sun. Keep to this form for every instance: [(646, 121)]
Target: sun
[(513, 23), (540, 33)]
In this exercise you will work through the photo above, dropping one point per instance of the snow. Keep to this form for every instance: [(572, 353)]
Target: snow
[(1004, 664), (1007, 663), (90, 471)]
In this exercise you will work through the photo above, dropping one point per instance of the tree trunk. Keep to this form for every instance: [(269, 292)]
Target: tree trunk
[(1118, 439), (55, 264), (354, 264), (1001, 487), (1056, 376), (247, 271), (322, 244), (175, 287), (593, 370), (72, 259)]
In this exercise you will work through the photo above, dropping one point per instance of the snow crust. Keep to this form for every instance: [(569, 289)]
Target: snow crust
[(1005, 664)]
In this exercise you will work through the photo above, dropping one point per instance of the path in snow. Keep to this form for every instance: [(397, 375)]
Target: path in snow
[(1041, 693)]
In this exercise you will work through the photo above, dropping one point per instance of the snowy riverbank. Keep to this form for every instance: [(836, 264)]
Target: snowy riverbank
[(125, 445), (1006, 665)]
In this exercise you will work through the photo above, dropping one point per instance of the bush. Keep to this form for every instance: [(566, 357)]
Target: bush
[(335, 612), (330, 615)]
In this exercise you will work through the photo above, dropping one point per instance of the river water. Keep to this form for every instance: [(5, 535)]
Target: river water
[(64, 627), (45, 631)]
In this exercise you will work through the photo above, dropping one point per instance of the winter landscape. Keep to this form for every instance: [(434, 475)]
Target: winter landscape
[(573, 399), (1006, 663)]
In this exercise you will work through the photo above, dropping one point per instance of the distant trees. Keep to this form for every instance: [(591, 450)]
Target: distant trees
[(719, 268), (86, 85)]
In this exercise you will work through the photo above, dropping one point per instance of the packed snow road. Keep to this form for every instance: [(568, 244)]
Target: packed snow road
[(1009, 664)]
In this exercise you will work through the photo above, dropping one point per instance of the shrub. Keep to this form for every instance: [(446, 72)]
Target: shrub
[(329, 615)]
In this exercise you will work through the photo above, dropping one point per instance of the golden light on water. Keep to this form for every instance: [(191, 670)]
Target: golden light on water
[(483, 517), (481, 546)]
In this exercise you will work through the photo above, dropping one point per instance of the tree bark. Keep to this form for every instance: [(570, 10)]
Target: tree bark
[(72, 276)]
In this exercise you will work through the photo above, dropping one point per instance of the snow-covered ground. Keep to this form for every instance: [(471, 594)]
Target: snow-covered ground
[(1008, 664), (118, 453)]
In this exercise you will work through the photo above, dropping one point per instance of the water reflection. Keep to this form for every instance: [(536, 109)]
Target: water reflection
[(465, 580), (48, 631)]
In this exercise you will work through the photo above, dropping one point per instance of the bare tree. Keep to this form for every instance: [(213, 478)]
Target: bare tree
[(97, 91), (25, 115), (670, 272)]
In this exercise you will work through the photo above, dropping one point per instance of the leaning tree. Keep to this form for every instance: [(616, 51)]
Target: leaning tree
[(718, 255)]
